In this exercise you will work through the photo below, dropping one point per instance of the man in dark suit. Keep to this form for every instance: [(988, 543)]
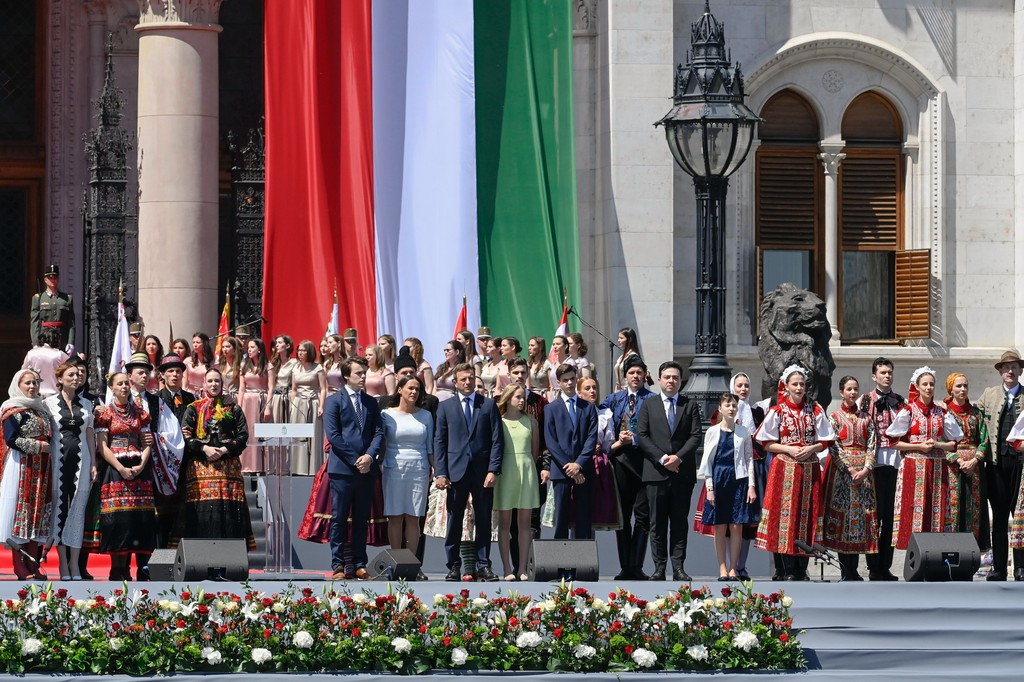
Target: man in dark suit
[(669, 429), (355, 431), (172, 371), (628, 464), (570, 434), (468, 449)]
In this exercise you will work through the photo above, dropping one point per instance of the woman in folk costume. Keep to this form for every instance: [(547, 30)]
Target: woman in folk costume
[(851, 514), (216, 435), (927, 490), (795, 431), (25, 489), (73, 465), (967, 459)]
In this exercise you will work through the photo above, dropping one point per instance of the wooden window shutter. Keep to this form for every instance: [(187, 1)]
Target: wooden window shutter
[(871, 199), (913, 294), (787, 197)]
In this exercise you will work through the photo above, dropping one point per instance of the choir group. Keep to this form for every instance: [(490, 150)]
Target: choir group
[(490, 445)]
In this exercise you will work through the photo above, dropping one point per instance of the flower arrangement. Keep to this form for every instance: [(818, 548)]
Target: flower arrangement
[(45, 630)]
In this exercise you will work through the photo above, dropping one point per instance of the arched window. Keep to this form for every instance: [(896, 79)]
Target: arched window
[(870, 218), (789, 210)]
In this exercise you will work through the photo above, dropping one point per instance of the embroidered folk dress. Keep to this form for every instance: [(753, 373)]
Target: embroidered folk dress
[(72, 460), (973, 446), (851, 514), (127, 508), (791, 509), (215, 505), (927, 490), (25, 489)]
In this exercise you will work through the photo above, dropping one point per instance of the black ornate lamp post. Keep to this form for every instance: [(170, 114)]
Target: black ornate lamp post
[(709, 130)]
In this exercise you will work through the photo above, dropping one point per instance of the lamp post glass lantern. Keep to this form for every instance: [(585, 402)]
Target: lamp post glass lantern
[(709, 131)]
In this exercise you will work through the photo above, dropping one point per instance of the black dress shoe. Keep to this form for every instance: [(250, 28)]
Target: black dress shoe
[(884, 576), (638, 574), (1018, 574), (741, 574), (486, 575), (454, 574), (624, 574), (789, 577), (658, 576), (681, 577), (853, 577), (420, 575), (996, 576)]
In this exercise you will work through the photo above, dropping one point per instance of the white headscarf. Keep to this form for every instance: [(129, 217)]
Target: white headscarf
[(18, 398), (743, 414)]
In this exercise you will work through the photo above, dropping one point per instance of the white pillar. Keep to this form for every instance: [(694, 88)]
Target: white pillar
[(178, 164), (831, 157)]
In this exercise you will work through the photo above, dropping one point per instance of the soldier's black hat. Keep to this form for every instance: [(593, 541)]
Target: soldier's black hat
[(52, 271)]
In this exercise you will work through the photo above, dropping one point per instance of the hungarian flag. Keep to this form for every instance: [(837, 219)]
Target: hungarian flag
[(460, 324), (419, 150), (563, 328), (224, 328)]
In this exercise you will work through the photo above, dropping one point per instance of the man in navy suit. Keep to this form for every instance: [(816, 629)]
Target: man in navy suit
[(468, 448), (570, 433), (628, 464), (669, 431), (355, 431)]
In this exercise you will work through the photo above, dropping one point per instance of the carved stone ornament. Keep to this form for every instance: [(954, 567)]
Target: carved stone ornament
[(832, 81), (196, 12)]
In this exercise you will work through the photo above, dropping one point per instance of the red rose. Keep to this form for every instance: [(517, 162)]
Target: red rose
[(727, 625), (267, 633), (616, 626), (784, 638), (465, 594), (185, 596), (116, 626), (494, 633), (203, 609), (307, 592), (22, 594), (150, 623), (61, 593), (99, 598), (447, 641), (180, 624), (558, 633), (423, 629), (279, 625), (628, 650), (726, 591), (267, 602), (355, 632), (42, 596), (71, 603), (611, 596)]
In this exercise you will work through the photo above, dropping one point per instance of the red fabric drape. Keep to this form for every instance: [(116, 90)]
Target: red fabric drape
[(319, 155)]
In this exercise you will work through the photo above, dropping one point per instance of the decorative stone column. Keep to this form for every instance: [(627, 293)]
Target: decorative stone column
[(831, 157), (178, 143)]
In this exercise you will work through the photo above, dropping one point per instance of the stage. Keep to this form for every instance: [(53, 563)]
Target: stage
[(876, 631)]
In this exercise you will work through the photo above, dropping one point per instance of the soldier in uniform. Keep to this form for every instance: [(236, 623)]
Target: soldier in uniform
[(53, 309)]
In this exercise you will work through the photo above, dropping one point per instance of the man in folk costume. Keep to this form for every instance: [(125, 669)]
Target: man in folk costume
[(796, 431), (168, 446), (1003, 406), (882, 404), (172, 371)]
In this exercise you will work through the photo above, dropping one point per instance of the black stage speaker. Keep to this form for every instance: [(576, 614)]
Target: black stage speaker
[(161, 564), (211, 559), (937, 557), (563, 559), (394, 564)]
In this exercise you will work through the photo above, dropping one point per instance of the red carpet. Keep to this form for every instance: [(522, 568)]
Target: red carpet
[(99, 565)]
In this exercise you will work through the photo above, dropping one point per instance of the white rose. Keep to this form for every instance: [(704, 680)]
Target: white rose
[(528, 640), (652, 606), (229, 607), (547, 605), (787, 601), (719, 603), (745, 640), (644, 658), (439, 599), (360, 598), (30, 646), (697, 652), (402, 645), (261, 655), (599, 605), (479, 602), (279, 607), (302, 639), (459, 655), (583, 651), (424, 609), (115, 644), (211, 655), (173, 606)]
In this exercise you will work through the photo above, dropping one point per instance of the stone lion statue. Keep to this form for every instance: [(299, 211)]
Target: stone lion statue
[(794, 329)]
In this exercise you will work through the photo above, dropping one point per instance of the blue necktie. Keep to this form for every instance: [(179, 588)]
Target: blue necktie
[(357, 406), (469, 412), (671, 412), (572, 411)]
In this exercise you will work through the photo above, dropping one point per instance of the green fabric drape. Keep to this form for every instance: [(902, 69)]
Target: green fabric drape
[(526, 164)]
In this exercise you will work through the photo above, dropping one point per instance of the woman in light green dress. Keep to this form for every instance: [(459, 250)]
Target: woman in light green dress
[(517, 488)]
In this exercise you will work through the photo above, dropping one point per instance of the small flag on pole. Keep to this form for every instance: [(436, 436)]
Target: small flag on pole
[(122, 349), (224, 328), (332, 321), (460, 324), (563, 324)]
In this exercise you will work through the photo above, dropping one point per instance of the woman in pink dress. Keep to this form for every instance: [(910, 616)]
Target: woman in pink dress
[(578, 355), (230, 367), (386, 342), (253, 401), (155, 351), (560, 353), (510, 349), (423, 369), (468, 341), (536, 360), (492, 358), (332, 347), (179, 347), (197, 364), (279, 380), (379, 379), (454, 355)]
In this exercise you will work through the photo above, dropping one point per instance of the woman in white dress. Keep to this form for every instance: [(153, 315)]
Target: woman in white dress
[(408, 460), (73, 467)]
